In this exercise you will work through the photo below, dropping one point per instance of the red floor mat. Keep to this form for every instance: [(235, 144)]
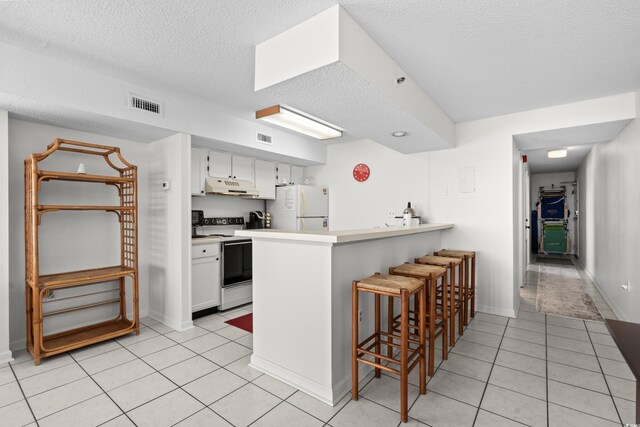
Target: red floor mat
[(243, 322)]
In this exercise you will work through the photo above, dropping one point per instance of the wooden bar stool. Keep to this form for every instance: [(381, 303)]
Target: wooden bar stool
[(469, 262), (437, 316), (456, 291), (412, 350)]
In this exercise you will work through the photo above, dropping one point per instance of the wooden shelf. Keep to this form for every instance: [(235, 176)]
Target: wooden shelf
[(37, 285), (64, 176), (83, 277), (50, 208), (75, 338)]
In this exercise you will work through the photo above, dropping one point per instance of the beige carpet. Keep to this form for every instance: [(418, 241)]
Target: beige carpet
[(561, 291)]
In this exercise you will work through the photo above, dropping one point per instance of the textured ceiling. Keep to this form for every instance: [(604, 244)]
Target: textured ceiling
[(474, 59), (578, 141)]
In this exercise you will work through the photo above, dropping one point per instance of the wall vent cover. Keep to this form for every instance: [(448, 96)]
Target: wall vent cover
[(265, 139), (144, 104)]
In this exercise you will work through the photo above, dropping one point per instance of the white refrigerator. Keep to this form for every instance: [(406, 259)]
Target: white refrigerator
[(300, 208)]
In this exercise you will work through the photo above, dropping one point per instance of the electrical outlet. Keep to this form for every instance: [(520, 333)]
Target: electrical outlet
[(392, 213), (626, 286), (360, 314)]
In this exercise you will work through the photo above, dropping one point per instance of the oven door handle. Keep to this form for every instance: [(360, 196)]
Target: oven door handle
[(237, 243)]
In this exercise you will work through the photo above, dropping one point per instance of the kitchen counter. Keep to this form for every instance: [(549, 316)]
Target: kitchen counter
[(203, 240), (342, 236), (302, 298)]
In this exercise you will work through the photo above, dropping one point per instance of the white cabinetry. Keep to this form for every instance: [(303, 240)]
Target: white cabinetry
[(265, 179), (225, 165), (242, 168), (198, 170), (205, 276), (284, 173), (219, 164), (290, 174), (296, 174)]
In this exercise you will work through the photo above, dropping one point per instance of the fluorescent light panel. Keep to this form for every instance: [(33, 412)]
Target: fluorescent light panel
[(557, 154), (295, 121)]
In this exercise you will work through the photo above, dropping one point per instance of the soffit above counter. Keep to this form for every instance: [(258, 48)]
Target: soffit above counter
[(329, 67)]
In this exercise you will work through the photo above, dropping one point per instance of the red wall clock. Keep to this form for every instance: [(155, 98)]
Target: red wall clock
[(361, 172)]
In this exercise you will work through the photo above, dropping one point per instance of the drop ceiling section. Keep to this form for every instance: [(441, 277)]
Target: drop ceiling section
[(330, 68), (577, 140)]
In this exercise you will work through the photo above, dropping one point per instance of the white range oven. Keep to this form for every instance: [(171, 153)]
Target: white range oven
[(236, 272), (235, 259)]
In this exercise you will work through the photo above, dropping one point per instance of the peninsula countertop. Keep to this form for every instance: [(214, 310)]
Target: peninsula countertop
[(342, 236)]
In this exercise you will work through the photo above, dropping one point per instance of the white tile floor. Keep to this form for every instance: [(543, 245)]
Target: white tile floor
[(535, 370)]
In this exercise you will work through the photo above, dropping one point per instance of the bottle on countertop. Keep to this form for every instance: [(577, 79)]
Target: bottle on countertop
[(409, 210)]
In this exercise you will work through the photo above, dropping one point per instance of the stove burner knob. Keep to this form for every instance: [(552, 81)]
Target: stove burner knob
[(223, 221), (206, 221)]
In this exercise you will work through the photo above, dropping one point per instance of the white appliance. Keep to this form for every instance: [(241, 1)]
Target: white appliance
[(300, 208), (230, 187)]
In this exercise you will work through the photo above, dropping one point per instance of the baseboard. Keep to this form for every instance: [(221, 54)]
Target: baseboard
[(174, 324), (18, 344), (6, 356), (516, 310), (593, 280), (312, 388), (330, 396), (497, 311)]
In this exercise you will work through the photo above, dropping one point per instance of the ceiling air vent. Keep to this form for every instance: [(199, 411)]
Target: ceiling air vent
[(265, 139), (145, 104)]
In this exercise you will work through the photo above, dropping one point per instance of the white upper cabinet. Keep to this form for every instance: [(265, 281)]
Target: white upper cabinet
[(284, 173), (198, 170), (264, 175), (242, 168), (226, 165), (219, 165), (296, 174), (290, 174), (265, 179)]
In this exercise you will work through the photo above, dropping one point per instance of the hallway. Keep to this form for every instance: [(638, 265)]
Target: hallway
[(570, 264)]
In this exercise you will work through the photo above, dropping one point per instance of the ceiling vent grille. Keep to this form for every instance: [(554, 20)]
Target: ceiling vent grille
[(144, 104), (265, 139)]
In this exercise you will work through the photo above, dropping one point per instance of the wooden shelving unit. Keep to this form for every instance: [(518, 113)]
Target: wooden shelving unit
[(38, 286)]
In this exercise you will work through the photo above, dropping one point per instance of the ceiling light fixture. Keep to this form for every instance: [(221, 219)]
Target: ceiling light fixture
[(557, 154), (297, 121), (399, 134)]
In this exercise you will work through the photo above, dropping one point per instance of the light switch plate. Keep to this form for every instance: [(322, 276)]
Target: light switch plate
[(166, 185)]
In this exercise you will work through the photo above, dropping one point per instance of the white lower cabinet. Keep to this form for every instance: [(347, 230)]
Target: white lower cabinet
[(205, 276)]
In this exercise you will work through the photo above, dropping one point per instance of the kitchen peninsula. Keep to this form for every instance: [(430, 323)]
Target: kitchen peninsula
[(302, 298)]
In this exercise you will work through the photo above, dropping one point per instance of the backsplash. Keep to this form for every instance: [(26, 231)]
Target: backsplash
[(226, 206)]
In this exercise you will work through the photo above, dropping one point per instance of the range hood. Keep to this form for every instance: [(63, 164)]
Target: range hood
[(230, 187)]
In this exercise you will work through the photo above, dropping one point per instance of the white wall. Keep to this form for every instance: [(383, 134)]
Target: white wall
[(170, 222), (609, 227), (395, 180), (70, 240), (545, 180), (484, 220), (42, 82), (518, 223), (219, 206), (5, 353)]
